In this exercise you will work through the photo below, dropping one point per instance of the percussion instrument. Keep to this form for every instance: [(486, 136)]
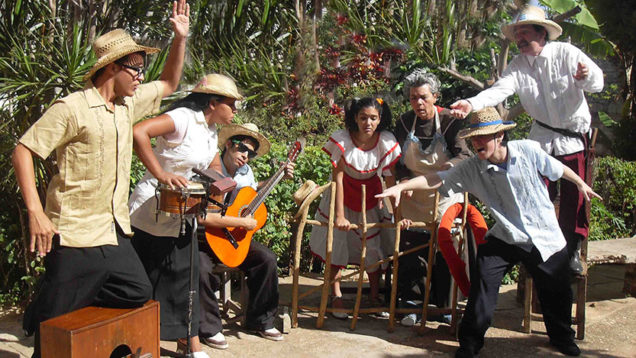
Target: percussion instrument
[(182, 201)]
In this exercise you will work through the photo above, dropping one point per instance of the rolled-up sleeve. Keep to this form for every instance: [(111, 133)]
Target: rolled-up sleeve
[(56, 127), (147, 99)]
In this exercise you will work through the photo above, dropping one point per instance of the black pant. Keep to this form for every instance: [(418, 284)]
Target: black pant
[(108, 276), (262, 281), (167, 263), (551, 278)]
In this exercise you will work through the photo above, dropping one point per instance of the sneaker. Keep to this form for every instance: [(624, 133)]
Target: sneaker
[(216, 341), (272, 334), (409, 320)]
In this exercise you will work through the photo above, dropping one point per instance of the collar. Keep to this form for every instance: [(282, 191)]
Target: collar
[(485, 165), (545, 54), (239, 171), (94, 98)]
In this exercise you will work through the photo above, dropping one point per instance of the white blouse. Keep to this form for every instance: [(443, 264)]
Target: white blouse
[(363, 164), (193, 145)]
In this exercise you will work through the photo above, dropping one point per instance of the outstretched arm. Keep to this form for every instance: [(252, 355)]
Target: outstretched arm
[(588, 193), (171, 74), (217, 221), (429, 181)]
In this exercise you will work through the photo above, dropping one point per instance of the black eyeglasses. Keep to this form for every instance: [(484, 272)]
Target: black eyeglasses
[(244, 149), (139, 71)]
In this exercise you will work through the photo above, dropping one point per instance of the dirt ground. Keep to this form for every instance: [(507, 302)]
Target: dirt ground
[(610, 331)]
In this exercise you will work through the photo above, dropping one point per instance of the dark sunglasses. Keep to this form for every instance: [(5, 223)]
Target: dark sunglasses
[(139, 71), (244, 149)]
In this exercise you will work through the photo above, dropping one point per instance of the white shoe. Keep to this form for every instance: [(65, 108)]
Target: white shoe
[(271, 334), (216, 341), (409, 320)]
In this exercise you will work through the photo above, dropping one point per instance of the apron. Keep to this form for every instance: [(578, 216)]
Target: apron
[(420, 206)]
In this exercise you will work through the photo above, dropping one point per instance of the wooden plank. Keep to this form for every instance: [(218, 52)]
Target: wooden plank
[(614, 251)]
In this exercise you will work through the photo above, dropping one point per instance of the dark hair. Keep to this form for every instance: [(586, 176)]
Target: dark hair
[(195, 101), (357, 104), (539, 28)]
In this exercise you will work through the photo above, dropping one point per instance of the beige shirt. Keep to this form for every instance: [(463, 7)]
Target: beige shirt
[(93, 146)]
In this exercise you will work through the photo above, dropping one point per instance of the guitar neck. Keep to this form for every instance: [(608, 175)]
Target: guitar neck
[(264, 192)]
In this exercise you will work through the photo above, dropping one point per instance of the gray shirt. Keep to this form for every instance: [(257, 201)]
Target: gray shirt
[(516, 195)]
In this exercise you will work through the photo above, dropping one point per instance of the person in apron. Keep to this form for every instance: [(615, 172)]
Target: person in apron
[(428, 137)]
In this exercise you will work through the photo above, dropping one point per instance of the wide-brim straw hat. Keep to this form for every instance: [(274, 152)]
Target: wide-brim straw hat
[(247, 129), (216, 83), (485, 121), (532, 15), (112, 46), (304, 191)]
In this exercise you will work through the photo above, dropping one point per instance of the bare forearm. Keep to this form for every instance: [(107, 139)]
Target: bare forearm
[(171, 74), (217, 221), (430, 181), (143, 148), (22, 161), (570, 175)]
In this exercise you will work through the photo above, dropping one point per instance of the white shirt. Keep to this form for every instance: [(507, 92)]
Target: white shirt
[(193, 145), (549, 93), (516, 196)]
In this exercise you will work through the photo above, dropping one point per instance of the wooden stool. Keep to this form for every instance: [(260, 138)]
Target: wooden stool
[(97, 332), (225, 295)]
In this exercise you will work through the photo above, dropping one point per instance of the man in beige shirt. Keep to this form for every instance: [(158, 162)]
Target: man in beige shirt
[(84, 230)]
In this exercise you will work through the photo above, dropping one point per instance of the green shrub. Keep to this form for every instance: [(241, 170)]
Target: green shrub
[(615, 216), (279, 233)]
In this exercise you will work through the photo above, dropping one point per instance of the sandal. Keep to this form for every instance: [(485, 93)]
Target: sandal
[(337, 301)]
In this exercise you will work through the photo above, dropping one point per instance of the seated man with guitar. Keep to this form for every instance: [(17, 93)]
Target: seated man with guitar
[(242, 143)]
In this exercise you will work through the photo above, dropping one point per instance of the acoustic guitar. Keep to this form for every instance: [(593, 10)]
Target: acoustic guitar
[(231, 244)]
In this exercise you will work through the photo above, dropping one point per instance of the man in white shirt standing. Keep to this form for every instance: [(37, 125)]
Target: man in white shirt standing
[(549, 78)]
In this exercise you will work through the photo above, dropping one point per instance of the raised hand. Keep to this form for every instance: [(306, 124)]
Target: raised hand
[(461, 108), (581, 72), (180, 18)]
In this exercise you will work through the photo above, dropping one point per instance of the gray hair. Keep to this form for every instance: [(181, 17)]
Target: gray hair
[(419, 78)]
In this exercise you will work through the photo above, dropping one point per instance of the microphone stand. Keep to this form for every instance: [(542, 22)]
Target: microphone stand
[(193, 249)]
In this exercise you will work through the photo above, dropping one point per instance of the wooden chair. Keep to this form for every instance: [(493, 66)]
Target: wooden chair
[(581, 296), (580, 280), (301, 217), (228, 305)]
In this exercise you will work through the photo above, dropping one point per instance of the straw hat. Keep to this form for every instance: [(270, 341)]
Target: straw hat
[(247, 129), (112, 46), (485, 121), (304, 191), (532, 15), (216, 83)]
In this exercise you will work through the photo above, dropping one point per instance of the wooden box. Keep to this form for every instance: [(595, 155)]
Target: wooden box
[(96, 332)]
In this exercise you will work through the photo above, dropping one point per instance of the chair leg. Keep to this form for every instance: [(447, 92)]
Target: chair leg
[(581, 296), (432, 247), (527, 305)]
